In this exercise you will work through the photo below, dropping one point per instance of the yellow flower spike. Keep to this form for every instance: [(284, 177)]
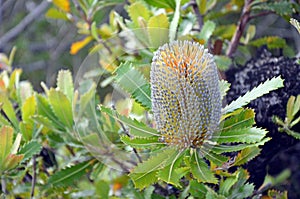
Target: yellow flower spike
[(186, 99)]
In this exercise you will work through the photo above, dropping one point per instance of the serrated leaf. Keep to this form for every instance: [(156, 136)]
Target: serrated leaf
[(157, 161), (28, 109), (138, 10), (246, 155), (201, 171), (231, 148), (224, 87), (143, 180), (141, 142), (174, 22), (211, 194), (30, 149), (158, 26), (197, 189), (61, 107), (207, 30), (9, 111), (162, 3), (26, 130), (296, 24), (44, 109), (64, 83), (242, 118), (46, 122), (281, 7), (136, 128), (172, 174), (272, 42), (134, 82), (215, 158), (256, 92), (226, 185), (245, 135), (66, 176)]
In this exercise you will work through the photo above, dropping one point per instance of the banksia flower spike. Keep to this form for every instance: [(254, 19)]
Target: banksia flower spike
[(186, 100)]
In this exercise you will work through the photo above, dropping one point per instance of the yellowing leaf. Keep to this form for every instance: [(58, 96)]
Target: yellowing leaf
[(76, 46), (62, 4), (158, 30), (136, 11)]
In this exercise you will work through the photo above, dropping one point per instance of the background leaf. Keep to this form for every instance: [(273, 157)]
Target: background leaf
[(134, 82), (68, 175)]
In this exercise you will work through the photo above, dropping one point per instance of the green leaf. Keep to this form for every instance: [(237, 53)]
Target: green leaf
[(218, 149), (243, 191), (54, 13), (65, 83), (94, 32), (141, 142), (174, 22), (66, 176), (246, 155), (272, 42), (211, 194), (223, 62), (256, 92), (134, 82), (86, 98), (6, 141), (62, 107), (46, 122), (138, 10), (44, 109), (158, 26), (158, 161), (162, 3), (197, 189), (102, 189), (143, 180), (28, 109), (207, 30), (201, 171), (172, 174), (281, 7), (224, 87), (215, 158), (9, 111), (226, 185), (296, 107), (30, 149), (245, 135), (241, 118), (137, 128), (26, 130)]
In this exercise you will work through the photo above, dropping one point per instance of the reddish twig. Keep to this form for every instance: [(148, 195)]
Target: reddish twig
[(244, 19)]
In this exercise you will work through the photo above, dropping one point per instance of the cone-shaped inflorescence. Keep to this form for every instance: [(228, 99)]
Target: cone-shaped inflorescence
[(186, 99)]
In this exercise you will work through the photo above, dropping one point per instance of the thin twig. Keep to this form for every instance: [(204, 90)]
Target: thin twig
[(18, 29), (244, 19), (260, 14), (198, 14), (33, 182), (127, 133)]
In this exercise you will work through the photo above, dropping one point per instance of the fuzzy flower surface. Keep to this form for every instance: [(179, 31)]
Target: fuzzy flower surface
[(186, 99)]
